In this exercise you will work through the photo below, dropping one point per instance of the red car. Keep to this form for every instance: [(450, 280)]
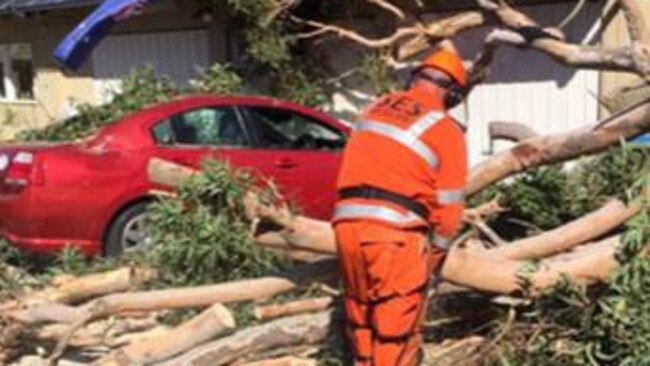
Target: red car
[(93, 195)]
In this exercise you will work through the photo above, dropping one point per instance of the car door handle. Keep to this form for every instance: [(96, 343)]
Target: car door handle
[(285, 163)]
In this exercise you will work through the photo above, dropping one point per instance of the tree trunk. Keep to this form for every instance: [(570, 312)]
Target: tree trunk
[(212, 322), (494, 271)]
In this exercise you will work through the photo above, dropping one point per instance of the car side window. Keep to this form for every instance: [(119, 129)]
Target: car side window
[(204, 126), (283, 129)]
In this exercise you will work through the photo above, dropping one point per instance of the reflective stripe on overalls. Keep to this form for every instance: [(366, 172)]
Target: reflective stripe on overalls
[(411, 139)]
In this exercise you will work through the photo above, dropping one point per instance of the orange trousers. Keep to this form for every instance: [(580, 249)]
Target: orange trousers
[(386, 272)]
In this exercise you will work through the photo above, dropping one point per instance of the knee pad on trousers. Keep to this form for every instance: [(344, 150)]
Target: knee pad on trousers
[(399, 316), (403, 352)]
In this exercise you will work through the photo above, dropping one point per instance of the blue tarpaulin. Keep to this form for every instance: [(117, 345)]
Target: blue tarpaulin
[(8, 6), (645, 140), (75, 48)]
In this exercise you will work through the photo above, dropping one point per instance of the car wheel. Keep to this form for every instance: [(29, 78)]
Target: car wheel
[(128, 231)]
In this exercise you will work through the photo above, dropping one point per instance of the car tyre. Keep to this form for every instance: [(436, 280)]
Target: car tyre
[(127, 231)]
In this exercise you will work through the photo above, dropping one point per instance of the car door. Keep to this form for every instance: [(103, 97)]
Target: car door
[(191, 136), (300, 152)]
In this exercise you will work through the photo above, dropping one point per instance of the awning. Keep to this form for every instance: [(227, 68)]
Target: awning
[(8, 6)]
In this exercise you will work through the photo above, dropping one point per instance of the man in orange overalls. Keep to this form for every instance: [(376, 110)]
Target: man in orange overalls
[(400, 204)]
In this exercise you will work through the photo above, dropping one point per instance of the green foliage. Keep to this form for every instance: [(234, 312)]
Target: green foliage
[(139, 89), (548, 197), (267, 46), (203, 235), (218, 79), (274, 54), (297, 87), (572, 326), (606, 326), (376, 72)]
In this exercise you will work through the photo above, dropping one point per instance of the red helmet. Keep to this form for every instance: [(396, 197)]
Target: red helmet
[(448, 62)]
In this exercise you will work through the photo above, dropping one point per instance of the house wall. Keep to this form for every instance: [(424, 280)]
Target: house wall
[(51, 87), (57, 92)]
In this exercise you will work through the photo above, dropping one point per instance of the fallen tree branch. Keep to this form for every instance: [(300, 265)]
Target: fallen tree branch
[(478, 268)]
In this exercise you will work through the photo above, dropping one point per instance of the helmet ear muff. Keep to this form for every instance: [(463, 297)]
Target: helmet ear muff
[(455, 93)]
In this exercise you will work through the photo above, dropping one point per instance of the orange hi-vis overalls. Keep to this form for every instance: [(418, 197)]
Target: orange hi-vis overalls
[(404, 145)]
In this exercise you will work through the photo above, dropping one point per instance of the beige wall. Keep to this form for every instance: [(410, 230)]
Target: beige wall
[(56, 91), (51, 88)]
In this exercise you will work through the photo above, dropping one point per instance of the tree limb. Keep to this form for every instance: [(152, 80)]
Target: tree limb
[(636, 23), (510, 131), (389, 7), (557, 148), (353, 36)]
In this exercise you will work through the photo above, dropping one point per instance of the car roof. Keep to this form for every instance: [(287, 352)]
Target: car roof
[(201, 99), (147, 116)]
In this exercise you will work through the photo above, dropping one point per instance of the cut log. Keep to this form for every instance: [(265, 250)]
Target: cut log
[(96, 334), (77, 289), (182, 298), (293, 308), (44, 313), (293, 331), (190, 297), (214, 321), (125, 339), (284, 361)]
